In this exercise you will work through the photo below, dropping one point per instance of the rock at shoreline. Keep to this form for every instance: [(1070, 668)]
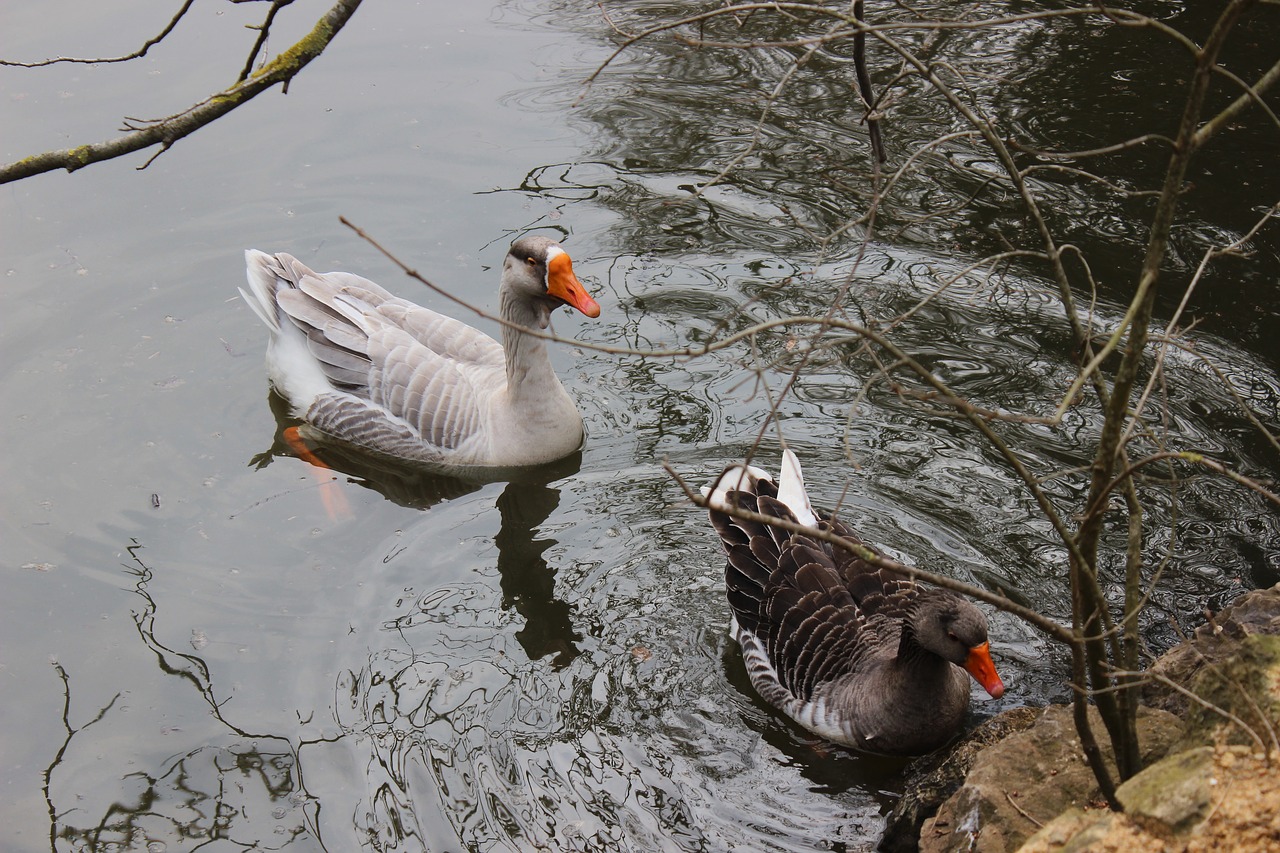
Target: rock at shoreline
[(1029, 778)]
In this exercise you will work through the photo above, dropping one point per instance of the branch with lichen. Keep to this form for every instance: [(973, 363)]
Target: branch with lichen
[(167, 131)]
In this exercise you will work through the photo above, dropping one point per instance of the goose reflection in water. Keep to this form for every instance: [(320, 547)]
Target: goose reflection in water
[(417, 706), (528, 584), (527, 501)]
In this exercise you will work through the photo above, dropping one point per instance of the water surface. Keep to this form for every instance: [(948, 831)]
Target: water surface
[(193, 652)]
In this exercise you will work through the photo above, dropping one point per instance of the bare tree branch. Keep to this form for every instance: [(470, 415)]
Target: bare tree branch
[(1105, 642), (140, 52), (264, 30), (166, 132)]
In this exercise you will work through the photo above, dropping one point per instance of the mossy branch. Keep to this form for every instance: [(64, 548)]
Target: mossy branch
[(166, 132)]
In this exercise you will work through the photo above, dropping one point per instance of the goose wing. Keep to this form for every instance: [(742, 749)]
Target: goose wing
[(784, 590), (428, 371), (877, 591)]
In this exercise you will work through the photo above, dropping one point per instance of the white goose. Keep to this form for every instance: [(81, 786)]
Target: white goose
[(850, 652), (366, 367)]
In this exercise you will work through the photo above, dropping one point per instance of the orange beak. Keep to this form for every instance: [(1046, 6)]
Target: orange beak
[(983, 669), (564, 285)]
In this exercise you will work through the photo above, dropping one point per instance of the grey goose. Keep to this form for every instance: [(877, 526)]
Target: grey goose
[(380, 372)]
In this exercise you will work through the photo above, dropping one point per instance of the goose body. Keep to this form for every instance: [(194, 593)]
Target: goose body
[(364, 366), (850, 652)]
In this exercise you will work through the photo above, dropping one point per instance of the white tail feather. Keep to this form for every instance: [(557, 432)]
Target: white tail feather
[(262, 287), (791, 490)]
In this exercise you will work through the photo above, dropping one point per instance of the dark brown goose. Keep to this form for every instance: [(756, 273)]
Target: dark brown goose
[(850, 652)]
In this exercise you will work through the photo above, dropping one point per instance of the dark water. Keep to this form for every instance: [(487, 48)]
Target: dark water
[(193, 654)]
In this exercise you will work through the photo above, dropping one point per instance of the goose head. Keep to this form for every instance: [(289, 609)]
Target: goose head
[(956, 631), (538, 275)]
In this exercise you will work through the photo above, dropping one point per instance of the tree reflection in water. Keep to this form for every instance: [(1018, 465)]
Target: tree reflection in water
[(452, 718), (242, 790), (444, 720)]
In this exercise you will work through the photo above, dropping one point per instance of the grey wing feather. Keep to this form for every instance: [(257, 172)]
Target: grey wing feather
[(362, 423), (816, 611), (432, 392), (814, 628), (451, 338), (423, 367), (786, 591), (877, 590)]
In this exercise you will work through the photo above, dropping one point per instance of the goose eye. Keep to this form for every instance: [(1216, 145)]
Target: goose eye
[(951, 635), (533, 262)]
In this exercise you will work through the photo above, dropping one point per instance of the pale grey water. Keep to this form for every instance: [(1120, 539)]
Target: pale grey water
[(518, 666)]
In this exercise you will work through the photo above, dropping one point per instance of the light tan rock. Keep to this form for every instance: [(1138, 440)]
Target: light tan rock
[(1174, 795), (1028, 779)]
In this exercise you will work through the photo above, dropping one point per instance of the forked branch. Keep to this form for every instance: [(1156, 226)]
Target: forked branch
[(166, 132)]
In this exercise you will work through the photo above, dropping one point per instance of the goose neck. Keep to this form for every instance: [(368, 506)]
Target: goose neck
[(912, 655), (526, 355)]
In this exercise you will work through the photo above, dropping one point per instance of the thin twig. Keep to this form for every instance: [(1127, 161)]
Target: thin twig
[(1021, 811), (137, 54)]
